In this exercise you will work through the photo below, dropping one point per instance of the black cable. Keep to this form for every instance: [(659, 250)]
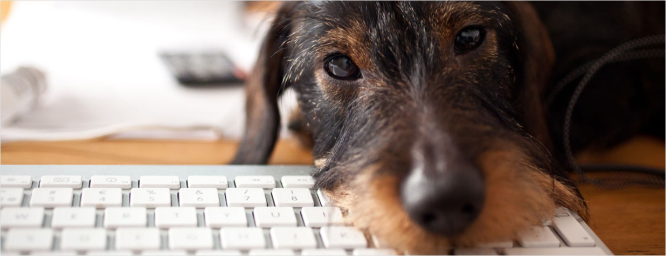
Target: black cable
[(615, 54), (622, 168), (616, 180), (625, 175), (628, 56)]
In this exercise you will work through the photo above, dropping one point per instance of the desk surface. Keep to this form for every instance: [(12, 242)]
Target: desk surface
[(628, 220)]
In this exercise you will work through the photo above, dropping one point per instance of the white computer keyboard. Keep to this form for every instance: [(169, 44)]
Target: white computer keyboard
[(207, 210)]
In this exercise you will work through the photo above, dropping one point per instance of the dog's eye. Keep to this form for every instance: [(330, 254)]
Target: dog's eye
[(341, 67), (468, 39)]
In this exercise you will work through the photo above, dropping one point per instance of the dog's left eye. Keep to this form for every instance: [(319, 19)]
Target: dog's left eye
[(342, 67), (468, 39)]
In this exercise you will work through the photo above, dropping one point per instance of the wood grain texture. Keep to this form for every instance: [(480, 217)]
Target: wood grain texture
[(141, 152), (642, 150), (628, 220)]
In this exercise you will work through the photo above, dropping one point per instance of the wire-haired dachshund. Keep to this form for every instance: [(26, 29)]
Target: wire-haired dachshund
[(427, 119)]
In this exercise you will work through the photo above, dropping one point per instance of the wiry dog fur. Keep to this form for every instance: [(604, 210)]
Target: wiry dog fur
[(485, 106)]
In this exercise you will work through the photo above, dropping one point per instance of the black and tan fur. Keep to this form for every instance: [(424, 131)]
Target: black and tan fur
[(485, 106)]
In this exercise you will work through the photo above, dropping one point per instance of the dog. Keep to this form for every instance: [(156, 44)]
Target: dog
[(426, 119)]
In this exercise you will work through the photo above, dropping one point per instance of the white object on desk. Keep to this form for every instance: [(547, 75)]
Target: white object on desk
[(110, 81), (20, 92)]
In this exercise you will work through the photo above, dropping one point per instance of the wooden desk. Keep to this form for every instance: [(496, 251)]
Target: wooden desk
[(629, 220)]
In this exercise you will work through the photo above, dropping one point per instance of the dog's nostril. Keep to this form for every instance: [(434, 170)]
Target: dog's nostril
[(468, 209), (428, 218)]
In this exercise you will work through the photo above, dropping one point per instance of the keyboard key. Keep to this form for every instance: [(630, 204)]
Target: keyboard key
[(21, 217), (245, 197), (15, 181), (555, 251), (265, 181), (297, 181), (137, 239), (342, 237), (376, 243), (116, 217), (11, 197), (73, 217), (295, 197), (84, 239), (190, 238), (150, 197), (571, 231), (562, 212), (242, 238), (293, 238), (374, 252), (177, 252), (323, 252), (102, 197), (60, 181), (538, 237), (105, 181), (271, 252), (109, 253), (56, 253), (324, 200), (207, 182), (217, 217), (199, 197), (474, 251), (166, 217), (172, 182), (29, 239), (218, 252), (321, 216), (51, 197), (267, 217)]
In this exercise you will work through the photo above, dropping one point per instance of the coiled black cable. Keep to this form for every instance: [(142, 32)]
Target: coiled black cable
[(626, 175)]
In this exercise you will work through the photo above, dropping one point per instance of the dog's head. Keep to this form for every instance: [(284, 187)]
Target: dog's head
[(426, 116)]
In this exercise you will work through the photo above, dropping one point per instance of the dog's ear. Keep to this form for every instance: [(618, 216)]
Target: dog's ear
[(262, 90), (536, 57)]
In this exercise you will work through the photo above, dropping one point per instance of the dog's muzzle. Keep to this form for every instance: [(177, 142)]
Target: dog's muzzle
[(444, 192)]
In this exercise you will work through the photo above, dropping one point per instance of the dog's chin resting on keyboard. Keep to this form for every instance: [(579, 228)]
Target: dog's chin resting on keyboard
[(426, 118)]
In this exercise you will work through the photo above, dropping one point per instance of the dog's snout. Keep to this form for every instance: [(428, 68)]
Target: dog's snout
[(444, 193)]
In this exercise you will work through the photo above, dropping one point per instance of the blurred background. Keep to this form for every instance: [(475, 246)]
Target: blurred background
[(101, 68)]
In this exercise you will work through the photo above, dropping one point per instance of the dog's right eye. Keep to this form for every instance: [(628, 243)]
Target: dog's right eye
[(468, 39), (342, 67)]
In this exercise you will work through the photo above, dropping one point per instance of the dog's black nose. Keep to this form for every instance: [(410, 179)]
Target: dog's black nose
[(444, 193)]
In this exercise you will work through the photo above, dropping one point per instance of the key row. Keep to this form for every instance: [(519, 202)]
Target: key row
[(168, 217), (532, 251), (365, 251), (195, 238), (156, 197), (189, 239), (171, 182)]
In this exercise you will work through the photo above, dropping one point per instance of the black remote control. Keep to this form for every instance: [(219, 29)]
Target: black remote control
[(206, 68)]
